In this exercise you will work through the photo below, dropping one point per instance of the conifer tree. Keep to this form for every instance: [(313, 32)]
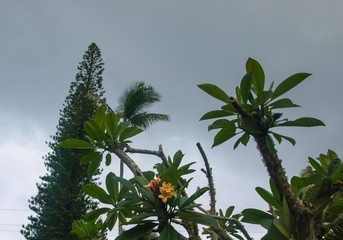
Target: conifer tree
[(60, 199)]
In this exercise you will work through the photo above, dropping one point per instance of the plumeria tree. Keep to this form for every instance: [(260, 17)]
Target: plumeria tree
[(310, 206), (152, 201), (307, 208)]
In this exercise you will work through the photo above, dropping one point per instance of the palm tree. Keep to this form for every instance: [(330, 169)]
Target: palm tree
[(133, 104)]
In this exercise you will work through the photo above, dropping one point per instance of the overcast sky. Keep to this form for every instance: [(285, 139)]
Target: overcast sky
[(174, 46)]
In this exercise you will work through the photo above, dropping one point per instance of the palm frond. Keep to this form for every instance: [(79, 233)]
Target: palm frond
[(145, 120), (135, 100)]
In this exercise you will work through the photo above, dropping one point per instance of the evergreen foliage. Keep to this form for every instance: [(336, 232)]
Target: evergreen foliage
[(60, 199)]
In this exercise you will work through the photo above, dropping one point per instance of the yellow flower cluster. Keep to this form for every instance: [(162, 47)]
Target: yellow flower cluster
[(166, 190)]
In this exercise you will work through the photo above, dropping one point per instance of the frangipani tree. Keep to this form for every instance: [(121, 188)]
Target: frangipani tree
[(252, 113), (151, 200), (307, 208)]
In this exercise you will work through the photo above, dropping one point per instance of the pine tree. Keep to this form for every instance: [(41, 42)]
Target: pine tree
[(60, 199)]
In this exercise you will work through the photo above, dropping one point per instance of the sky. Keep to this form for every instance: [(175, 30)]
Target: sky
[(174, 46)]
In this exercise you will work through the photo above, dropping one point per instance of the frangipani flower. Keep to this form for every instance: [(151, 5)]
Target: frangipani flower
[(167, 191), (167, 187), (154, 184)]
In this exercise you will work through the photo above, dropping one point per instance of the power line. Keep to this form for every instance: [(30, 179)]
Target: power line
[(13, 209), (6, 224)]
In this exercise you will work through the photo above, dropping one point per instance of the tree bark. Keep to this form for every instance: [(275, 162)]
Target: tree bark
[(300, 210)]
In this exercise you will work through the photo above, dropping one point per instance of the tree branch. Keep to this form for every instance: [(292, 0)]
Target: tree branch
[(239, 108), (127, 160), (210, 181), (158, 153)]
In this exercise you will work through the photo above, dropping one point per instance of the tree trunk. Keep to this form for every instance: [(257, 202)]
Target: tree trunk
[(301, 212)]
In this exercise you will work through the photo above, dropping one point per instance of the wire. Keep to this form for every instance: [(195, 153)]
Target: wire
[(6, 224), (13, 209)]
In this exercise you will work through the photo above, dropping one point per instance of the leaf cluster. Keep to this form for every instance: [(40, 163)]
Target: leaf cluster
[(253, 108), (142, 206), (105, 131), (320, 185)]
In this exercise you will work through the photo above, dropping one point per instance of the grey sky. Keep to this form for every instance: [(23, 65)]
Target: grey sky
[(173, 45)]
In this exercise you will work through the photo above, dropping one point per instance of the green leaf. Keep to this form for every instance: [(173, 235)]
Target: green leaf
[(129, 132), (244, 139), (274, 189), (94, 165), (269, 198), (168, 233), (221, 123), (100, 118), (317, 166), (76, 143), (112, 186), (95, 214), (263, 97), (256, 216), (121, 127), (127, 184), (195, 196), (139, 217), (274, 233), (303, 122), (111, 124), (111, 220), (336, 207), (90, 157), (282, 103), (141, 181), (246, 86), (149, 175), (287, 216), (258, 74), (334, 166), (108, 159), (216, 114), (171, 175), (97, 192), (137, 231), (130, 204), (238, 94), (223, 135), (324, 160), (198, 218), (215, 92), (185, 168), (279, 136), (289, 83), (229, 108), (93, 130), (177, 159), (331, 154), (147, 193), (229, 211), (338, 175), (79, 227), (278, 224), (270, 144)]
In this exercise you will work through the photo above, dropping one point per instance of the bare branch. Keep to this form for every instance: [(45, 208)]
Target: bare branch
[(158, 153), (130, 163), (210, 181)]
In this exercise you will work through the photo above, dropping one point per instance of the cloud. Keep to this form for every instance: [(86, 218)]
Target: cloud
[(174, 46)]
